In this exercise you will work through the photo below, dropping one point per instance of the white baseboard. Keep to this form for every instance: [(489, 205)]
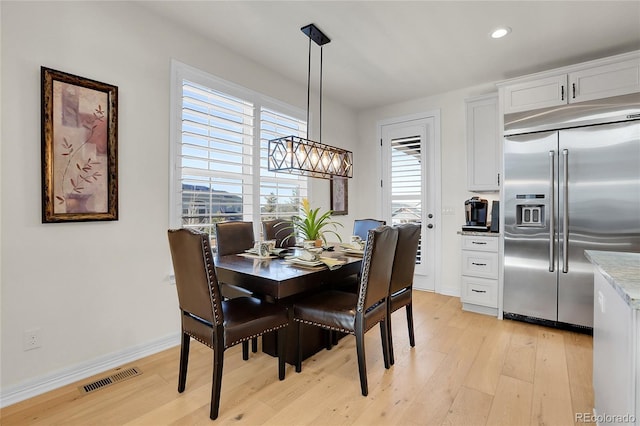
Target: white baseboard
[(40, 385), (448, 291)]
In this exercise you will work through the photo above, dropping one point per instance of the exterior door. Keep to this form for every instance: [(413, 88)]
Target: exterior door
[(408, 187)]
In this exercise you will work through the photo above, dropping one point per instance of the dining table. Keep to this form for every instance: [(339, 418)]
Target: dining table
[(280, 280)]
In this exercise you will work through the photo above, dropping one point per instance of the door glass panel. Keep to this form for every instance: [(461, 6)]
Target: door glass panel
[(406, 182)]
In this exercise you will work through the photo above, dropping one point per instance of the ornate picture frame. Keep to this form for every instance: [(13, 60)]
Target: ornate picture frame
[(79, 148), (339, 195)]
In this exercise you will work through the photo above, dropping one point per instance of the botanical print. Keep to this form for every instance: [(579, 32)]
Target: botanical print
[(339, 196), (80, 140)]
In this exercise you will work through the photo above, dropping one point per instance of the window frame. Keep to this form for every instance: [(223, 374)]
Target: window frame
[(180, 72)]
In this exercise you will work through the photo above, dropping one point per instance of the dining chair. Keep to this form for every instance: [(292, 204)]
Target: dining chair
[(233, 237), (351, 313), (362, 226), (211, 320), (279, 230), (401, 287)]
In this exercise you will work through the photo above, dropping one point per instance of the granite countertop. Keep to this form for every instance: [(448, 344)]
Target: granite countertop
[(622, 270)]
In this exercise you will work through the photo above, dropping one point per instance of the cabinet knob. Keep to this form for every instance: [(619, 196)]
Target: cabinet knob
[(429, 226)]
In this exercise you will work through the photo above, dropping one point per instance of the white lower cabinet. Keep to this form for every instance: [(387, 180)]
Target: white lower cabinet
[(615, 356), (480, 264)]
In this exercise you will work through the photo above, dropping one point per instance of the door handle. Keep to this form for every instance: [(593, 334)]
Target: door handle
[(552, 211), (565, 212)]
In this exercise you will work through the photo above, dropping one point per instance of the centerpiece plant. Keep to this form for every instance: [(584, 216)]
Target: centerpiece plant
[(312, 225)]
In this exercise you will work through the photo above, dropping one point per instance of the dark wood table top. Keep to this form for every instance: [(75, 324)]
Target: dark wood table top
[(276, 279)]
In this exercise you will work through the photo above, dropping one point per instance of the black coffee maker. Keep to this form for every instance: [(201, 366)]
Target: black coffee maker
[(476, 213)]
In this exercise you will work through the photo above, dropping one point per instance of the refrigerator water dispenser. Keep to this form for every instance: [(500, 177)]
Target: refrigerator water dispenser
[(530, 215)]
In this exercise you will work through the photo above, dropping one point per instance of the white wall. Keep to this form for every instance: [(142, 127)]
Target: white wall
[(99, 290), (453, 166)]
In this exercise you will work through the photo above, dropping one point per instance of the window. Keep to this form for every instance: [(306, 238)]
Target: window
[(220, 135)]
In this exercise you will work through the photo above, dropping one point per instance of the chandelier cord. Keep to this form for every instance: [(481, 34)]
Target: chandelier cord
[(320, 116), (308, 86)]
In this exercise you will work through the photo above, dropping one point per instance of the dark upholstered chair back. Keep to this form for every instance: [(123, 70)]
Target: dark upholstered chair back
[(362, 226), (202, 309), (196, 282), (377, 264), (279, 230), (234, 237), (404, 262)]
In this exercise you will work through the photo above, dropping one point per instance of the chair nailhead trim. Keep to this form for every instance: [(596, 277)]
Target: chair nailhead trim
[(328, 327), (256, 335), (238, 341)]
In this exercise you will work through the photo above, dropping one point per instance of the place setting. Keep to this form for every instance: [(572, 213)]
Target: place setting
[(354, 248), (312, 258), (262, 250)]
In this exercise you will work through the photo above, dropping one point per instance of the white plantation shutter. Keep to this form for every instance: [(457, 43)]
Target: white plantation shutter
[(406, 181), (216, 156), (280, 193), (219, 154)]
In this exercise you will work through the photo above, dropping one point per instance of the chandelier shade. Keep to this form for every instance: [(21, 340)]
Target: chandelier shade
[(296, 155)]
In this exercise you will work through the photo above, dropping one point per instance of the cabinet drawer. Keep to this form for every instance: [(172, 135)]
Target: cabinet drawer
[(480, 264), (480, 291), (470, 242)]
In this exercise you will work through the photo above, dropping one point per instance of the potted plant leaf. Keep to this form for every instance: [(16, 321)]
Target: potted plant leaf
[(312, 225)]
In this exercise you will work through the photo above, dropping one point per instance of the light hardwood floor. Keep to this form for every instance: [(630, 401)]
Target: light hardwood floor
[(466, 369)]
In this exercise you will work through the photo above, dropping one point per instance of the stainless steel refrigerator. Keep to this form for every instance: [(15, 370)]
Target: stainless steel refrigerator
[(571, 183)]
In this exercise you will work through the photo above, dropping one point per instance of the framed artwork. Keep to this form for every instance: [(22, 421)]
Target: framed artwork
[(340, 196), (79, 148)]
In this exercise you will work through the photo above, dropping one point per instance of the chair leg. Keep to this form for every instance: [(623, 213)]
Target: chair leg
[(329, 337), (390, 340), (254, 345), (412, 339), (362, 362), (216, 385), (282, 339), (245, 350), (384, 337), (298, 331), (184, 360)]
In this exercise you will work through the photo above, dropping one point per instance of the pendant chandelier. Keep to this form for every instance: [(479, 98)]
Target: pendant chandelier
[(296, 155)]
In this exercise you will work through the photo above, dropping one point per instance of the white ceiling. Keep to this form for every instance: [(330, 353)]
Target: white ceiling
[(383, 52)]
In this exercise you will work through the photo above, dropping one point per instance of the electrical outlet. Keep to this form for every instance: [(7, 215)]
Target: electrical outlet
[(31, 339)]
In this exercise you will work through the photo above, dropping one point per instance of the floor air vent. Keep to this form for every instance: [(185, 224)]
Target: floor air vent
[(114, 378)]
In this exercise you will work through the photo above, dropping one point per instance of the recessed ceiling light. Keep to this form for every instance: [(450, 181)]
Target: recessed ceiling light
[(500, 32)]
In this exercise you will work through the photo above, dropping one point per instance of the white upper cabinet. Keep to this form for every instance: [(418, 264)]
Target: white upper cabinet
[(483, 143), (618, 75), (605, 81), (541, 93)]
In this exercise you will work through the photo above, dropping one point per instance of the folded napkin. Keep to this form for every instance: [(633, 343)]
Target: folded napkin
[(332, 263)]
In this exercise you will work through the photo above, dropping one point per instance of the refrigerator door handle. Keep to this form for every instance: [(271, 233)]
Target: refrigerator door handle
[(565, 212), (552, 209)]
